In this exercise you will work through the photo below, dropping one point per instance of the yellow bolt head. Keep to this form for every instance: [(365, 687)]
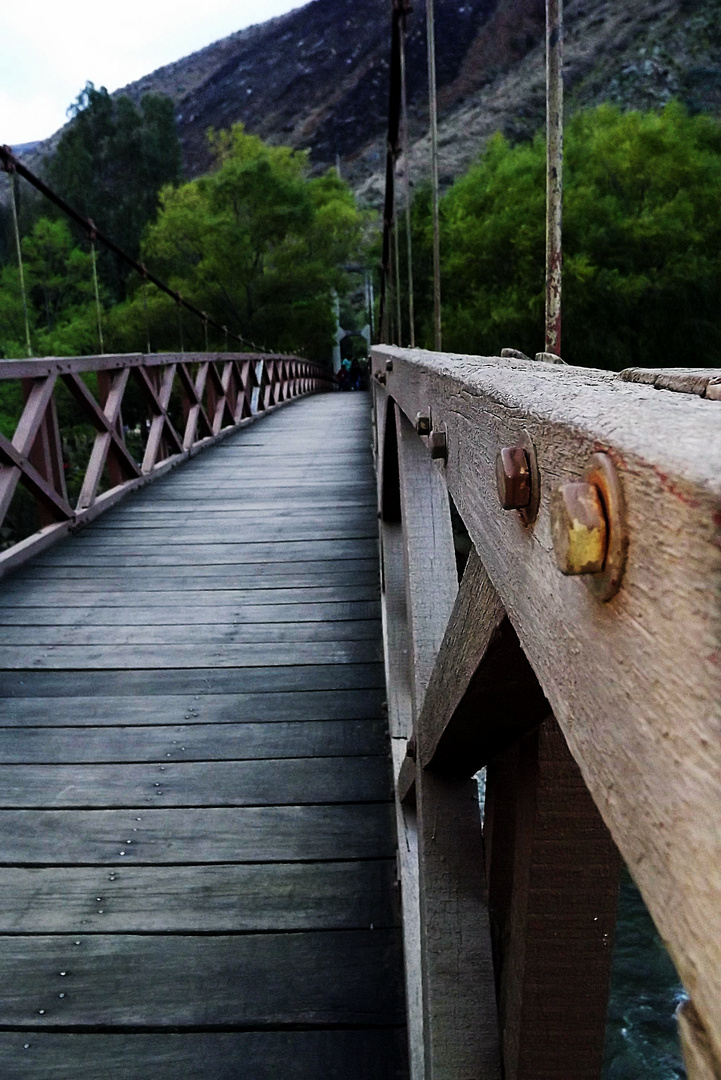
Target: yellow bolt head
[(579, 529)]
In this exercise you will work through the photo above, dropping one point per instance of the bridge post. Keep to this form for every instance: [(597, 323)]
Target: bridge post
[(459, 1012), (552, 871)]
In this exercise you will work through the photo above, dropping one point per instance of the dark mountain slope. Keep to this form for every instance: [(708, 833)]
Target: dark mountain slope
[(317, 77)]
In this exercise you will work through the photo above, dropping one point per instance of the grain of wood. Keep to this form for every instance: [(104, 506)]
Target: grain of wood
[(187, 899), (203, 708), (553, 882), (274, 782), (373, 1054), (192, 742), (259, 981), (206, 835)]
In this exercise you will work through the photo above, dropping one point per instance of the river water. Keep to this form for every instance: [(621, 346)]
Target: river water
[(641, 1029), (641, 1033)]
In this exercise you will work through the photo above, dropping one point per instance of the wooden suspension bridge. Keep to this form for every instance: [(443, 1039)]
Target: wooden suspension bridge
[(200, 862)]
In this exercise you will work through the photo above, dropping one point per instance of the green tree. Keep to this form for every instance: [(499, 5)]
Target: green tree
[(257, 244), (642, 243), (111, 162)]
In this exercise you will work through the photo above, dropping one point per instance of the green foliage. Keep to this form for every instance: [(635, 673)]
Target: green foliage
[(257, 245), (642, 244), (112, 161)]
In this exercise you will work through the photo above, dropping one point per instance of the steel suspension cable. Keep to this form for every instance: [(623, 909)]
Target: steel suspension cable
[(406, 148), (11, 164), (433, 115), (554, 173), (19, 251), (97, 293)]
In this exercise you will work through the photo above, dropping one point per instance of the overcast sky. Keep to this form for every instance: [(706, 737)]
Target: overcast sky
[(51, 48)]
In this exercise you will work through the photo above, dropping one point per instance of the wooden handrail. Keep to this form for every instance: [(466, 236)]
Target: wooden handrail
[(625, 656), (216, 394)]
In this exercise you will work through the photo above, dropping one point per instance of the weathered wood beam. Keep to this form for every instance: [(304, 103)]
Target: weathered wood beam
[(459, 1011), (697, 1052), (553, 884), (635, 683), (482, 694)]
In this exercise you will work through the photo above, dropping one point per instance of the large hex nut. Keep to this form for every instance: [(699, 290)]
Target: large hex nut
[(513, 477), (579, 530)]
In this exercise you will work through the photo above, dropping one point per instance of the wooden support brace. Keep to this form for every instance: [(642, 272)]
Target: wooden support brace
[(552, 871), (482, 693), (459, 1009)]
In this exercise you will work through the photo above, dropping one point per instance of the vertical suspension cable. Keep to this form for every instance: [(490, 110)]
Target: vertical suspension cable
[(433, 111), (554, 173), (97, 292), (145, 308), (18, 248), (205, 328), (225, 331), (396, 259), (180, 322), (406, 146)]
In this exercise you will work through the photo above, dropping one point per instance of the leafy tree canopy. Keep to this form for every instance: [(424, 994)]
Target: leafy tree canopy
[(112, 161), (257, 244), (642, 243)]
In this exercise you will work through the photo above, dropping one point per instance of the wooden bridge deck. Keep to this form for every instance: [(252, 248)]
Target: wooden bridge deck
[(198, 849)]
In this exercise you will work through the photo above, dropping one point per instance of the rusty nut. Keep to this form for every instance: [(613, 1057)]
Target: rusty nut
[(380, 377), (389, 365), (513, 477), (423, 423), (437, 445), (579, 529)]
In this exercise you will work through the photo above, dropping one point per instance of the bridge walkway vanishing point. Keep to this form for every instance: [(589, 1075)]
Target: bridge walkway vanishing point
[(198, 842)]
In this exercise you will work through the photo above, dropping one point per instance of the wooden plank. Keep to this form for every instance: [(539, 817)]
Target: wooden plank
[(187, 836), (553, 883), (372, 1054), (459, 1013), (635, 682), (130, 657), (88, 684), (200, 708), (273, 551), (227, 633), (278, 782), (81, 621), (185, 899), (192, 742), (147, 981), (222, 532), (189, 575), (46, 596)]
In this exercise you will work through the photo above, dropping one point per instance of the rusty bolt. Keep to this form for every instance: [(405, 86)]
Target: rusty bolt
[(438, 445), (389, 365), (579, 529), (513, 477), (423, 423), (381, 378)]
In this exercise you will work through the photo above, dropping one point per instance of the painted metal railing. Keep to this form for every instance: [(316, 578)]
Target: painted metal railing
[(183, 403)]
